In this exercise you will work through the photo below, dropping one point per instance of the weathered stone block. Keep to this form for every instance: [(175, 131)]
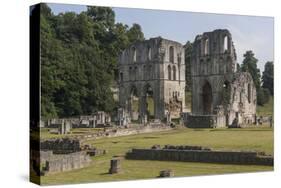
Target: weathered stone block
[(115, 166)]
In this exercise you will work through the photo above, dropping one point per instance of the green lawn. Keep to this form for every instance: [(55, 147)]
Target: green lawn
[(260, 139)]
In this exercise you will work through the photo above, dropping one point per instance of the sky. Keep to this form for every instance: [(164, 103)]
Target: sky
[(254, 33)]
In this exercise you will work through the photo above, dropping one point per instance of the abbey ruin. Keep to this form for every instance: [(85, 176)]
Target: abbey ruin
[(152, 70), (155, 69)]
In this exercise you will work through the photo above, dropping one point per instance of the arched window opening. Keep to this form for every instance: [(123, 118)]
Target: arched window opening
[(171, 54), (150, 72), (169, 73), (225, 43), (144, 72), (207, 98), (121, 76), (130, 73), (174, 73), (149, 53), (249, 93), (134, 104), (134, 54), (206, 47), (136, 73), (226, 85), (149, 102)]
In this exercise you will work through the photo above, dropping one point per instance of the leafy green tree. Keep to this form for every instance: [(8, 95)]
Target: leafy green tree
[(79, 55), (135, 33), (263, 95), (249, 64), (267, 77)]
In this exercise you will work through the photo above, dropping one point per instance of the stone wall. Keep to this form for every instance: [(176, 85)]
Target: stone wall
[(154, 66), (115, 132), (53, 163), (216, 82), (209, 156), (204, 121), (62, 145)]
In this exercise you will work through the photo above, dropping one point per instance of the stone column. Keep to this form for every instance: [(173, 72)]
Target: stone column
[(115, 166)]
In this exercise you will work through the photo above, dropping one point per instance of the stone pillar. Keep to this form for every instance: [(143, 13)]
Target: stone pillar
[(142, 106), (115, 166), (166, 173), (168, 118)]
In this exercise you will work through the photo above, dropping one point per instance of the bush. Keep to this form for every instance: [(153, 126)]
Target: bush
[(263, 95)]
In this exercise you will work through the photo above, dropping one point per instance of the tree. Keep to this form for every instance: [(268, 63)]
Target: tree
[(79, 55), (135, 33), (188, 51), (263, 96), (267, 77), (249, 64)]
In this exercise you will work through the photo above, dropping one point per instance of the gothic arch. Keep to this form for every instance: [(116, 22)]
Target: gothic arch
[(134, 51), (171, 54), (249, 93), (174, 73), (225, 43), (207, 98), (169, 73), (206, 47), (149, 53)]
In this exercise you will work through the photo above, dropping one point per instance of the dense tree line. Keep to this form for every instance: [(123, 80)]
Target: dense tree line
[(79, 55)]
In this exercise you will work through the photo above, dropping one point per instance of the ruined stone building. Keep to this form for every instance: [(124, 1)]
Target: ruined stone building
[(221, 96), (152, 79)]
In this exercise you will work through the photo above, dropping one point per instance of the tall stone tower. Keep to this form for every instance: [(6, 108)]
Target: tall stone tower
[(152, 79), (217, 97)]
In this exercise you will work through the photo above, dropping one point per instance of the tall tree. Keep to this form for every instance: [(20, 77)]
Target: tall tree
[(135, 33), (78, 60), (267, 77), (249, 64)]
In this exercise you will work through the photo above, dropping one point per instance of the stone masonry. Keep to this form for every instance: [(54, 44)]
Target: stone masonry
[(200, 154), (221, 96), (154, 68)]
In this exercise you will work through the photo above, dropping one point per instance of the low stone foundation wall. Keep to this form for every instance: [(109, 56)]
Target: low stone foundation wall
[(115, 132), (204, 121), (53, 163), (209, 156), (61, 146)]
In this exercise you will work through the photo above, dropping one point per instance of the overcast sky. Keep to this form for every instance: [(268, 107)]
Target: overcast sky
[(248, 32)]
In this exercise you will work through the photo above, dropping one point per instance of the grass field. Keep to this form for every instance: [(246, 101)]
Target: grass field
[(260, 139)]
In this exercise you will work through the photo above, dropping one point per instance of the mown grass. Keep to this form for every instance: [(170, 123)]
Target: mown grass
[(260, 139)]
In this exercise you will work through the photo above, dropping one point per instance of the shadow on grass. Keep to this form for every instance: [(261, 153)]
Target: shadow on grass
[(105, 173), (236, 129)]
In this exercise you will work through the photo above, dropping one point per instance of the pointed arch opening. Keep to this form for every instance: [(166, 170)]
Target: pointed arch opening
[(169, 73), (249, 93), (206, 47), (225, 43), (207, 98), (174, 73), (134, 51), (134, 107), (149, 53), (171, 54), (149, 102)]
